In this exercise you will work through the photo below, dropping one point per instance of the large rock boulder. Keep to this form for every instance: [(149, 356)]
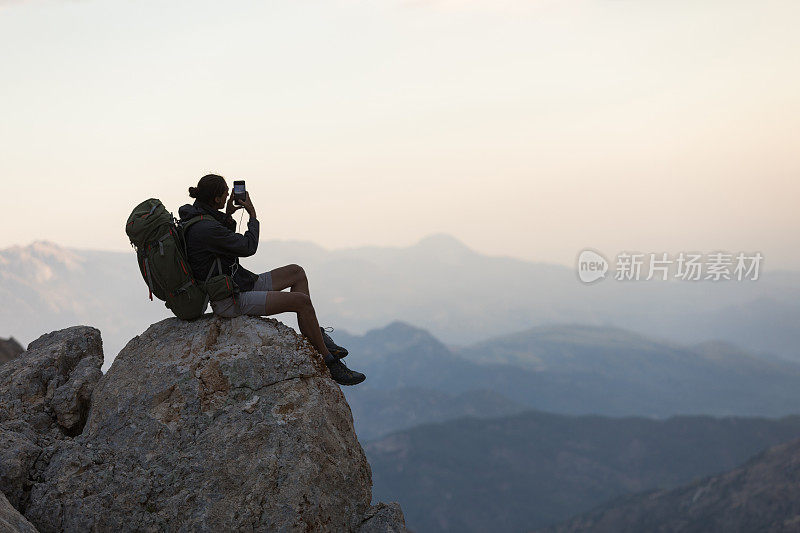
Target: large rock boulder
[(44, 399), (10, 519), (212, 425), (9, 349)]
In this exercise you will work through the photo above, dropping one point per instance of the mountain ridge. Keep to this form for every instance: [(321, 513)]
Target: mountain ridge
[(760, 495), (534, 469), (603, 376)]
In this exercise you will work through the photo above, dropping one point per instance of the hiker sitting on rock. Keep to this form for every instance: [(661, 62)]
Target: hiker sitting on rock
[(213, 243)]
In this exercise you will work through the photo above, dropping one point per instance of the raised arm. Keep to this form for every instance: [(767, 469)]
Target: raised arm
[(222, 240)]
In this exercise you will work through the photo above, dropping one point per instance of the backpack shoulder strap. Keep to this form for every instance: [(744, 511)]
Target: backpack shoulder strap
[(218, 265), (192, 221)]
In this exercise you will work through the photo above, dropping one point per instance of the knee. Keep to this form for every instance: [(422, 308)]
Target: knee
[(298, 273), (301, 301)]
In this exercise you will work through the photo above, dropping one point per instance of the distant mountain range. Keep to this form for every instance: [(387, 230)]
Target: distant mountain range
[(459, 462), (45, 288), (458, 294), (377, 412), (761, 495), (534, 469), (569, 370)]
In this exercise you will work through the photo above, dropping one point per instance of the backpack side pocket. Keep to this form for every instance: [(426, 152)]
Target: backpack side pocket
[(220, 287)]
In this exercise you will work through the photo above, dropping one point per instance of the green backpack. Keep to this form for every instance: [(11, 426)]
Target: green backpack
[(161, 252)]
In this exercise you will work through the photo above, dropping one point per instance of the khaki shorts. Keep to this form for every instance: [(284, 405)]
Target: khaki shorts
[(246, 303)]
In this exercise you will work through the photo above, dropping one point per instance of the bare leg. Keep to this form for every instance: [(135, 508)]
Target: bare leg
[(300, 303), (294, 277)]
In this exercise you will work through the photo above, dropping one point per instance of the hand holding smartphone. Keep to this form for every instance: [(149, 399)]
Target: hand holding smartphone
[(239, 192)]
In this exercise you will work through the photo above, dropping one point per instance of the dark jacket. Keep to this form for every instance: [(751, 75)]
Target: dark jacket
[(215, 236)]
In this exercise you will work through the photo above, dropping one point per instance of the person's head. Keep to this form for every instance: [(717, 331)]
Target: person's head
[(212, 190)]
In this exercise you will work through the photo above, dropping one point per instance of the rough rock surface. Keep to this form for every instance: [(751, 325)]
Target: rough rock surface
[(44, 399), (9, 349), (212, 425), (10, 519), (384, 518)]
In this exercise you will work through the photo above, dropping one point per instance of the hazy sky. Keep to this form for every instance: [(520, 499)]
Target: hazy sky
[(531, 128)]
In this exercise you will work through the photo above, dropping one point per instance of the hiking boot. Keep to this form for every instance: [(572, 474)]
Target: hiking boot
[(337, 351), (343, 375)]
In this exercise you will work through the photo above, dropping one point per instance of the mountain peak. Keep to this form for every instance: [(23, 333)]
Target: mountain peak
[(400, 329), (442, 241), (398, 326), (42, 252)]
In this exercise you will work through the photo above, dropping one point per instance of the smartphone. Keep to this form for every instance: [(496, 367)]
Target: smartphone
[(239, 192)]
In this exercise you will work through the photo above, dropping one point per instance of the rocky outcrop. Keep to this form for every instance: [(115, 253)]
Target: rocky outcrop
[(10, 519), (210, 425), (384, 518), (761, 495), (9, 349), (44, 400)]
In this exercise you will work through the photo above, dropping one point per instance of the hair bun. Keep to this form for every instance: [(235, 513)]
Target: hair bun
[(192, 192)]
